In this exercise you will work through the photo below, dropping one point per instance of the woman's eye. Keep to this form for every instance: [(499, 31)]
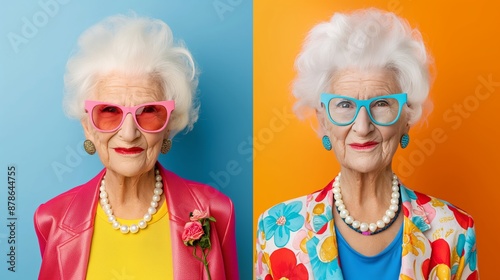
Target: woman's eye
[(381, 103), (344, 104), (110, 109), (149, 109)]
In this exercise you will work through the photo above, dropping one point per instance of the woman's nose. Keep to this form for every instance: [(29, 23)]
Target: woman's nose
[(129, 130), (363, 124)]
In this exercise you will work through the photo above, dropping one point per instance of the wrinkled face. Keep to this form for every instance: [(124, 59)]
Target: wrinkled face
[(363, 146), (127, 151)]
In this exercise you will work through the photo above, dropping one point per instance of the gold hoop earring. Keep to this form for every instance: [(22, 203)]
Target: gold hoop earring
[(166, 145), (89, 147)]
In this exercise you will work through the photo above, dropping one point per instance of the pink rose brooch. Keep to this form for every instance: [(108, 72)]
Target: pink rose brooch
[(197, 234)]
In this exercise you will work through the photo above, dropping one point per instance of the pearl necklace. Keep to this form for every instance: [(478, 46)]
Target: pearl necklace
[(368, 228), (133, 228)]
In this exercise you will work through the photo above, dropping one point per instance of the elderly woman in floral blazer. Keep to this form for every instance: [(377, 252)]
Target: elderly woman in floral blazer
[(366, 76)]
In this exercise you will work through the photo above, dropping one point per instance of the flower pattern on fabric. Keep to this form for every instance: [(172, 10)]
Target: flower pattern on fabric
[(412, 239), (284, 266), (283, 219), (299, 244), (323, 256), (470, 246), (439, 241)]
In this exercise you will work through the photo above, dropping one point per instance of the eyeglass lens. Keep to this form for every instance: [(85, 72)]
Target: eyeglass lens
[(383, 111), (108, 117)]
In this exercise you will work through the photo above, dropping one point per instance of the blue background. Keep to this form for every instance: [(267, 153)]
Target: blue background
[(46, 147)]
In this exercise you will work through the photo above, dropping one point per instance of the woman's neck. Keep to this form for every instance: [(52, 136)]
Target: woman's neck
[(129, 196), (372, 188)]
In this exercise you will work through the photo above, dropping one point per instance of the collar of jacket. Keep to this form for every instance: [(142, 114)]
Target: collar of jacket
[(78, 222), (321, 224)]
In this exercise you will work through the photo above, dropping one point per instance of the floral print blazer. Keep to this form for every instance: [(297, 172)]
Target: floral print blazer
[(296, 239)]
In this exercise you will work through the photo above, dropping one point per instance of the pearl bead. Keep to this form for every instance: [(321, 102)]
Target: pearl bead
[(380, 223), (156, 198), (103, 194), (151, 210), (142, 224), (390, 213), (158, 185), (158, 178), (341, 207), (363, 227), (154, 204), (102, 188), (124, 229), (386, 219), (147, 217), (339, 202), (337, 196), (394, 201), (108, 212), (104, 201), (134, 228), (111, 218), (157, 171), (395, 195), (344, 214), (336, 184), (116, 224), (106, 207), (336, 190), (395, 188), (356, 224), (372, 227), (158, 191), (349, 219), (393, 207)]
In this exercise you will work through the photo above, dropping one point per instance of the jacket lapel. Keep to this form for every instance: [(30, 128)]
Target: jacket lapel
[(416, 247), (322, 246), (180, 202), (77, 225)]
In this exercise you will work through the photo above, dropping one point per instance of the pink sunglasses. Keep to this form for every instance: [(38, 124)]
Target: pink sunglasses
[(149, 117)]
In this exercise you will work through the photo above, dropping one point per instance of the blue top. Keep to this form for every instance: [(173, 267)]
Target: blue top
[(385, 265)]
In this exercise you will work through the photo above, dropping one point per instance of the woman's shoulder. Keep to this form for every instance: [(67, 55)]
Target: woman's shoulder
[(301, 204), (425, 209), (82, 193), (196, 189)]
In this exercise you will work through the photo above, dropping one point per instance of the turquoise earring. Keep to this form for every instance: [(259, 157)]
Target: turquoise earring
[(326, 143), (405, 140)]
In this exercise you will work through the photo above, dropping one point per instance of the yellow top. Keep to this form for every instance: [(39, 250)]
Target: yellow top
[(146, 254)]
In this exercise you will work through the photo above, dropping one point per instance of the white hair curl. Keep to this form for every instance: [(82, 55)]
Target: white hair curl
[(133, 45), (363, 39)]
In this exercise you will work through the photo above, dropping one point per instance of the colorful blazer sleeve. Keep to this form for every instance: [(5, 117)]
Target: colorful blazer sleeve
[(296, 239)]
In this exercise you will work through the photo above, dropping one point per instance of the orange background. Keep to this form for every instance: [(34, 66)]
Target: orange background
[(461, 165)]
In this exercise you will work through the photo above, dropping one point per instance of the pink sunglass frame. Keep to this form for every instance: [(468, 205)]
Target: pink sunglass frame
[(91, 104)]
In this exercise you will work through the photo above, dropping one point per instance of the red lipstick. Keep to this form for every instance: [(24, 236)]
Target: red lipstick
[(129, 151), (364, 146)]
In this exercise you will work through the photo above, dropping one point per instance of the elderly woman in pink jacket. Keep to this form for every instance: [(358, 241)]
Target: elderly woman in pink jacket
[(366, 76), (133, 88)]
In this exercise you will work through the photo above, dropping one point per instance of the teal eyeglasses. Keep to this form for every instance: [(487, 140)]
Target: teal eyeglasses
[(383, 110)]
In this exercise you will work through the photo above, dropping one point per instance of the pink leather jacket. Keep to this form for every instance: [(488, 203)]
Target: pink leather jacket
[(64, 226)]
